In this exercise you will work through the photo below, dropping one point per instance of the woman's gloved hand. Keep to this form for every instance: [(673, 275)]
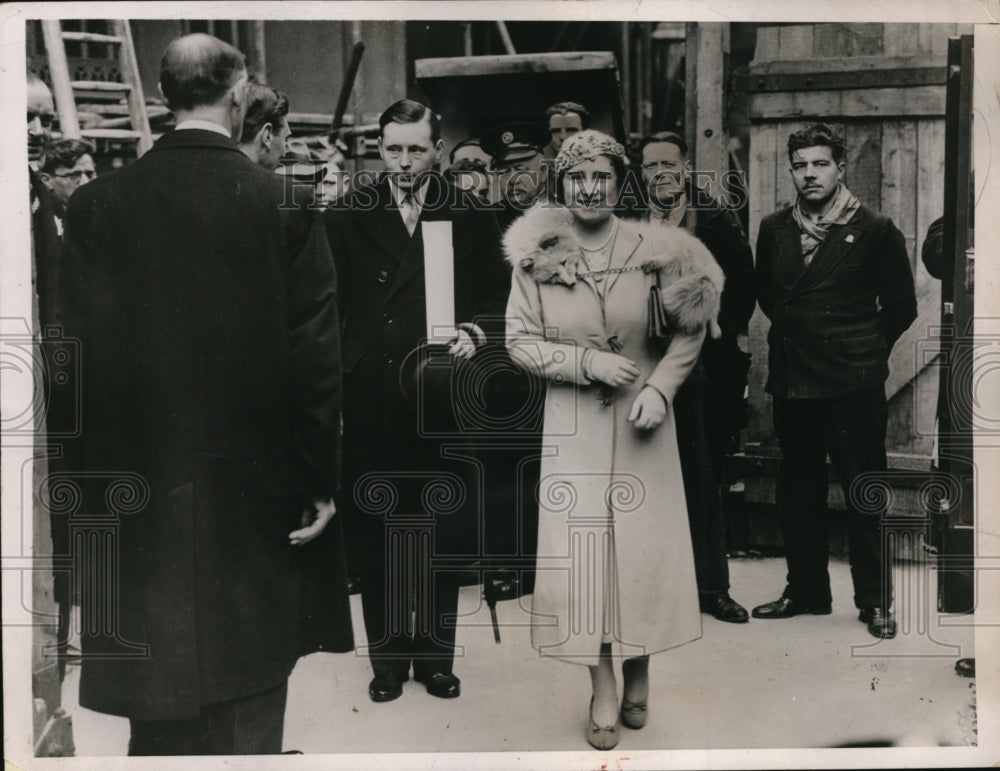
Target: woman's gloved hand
[(610, 368), (648, 410)]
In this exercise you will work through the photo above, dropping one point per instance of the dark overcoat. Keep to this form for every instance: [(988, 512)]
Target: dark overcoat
[(210, 397), (833, 323), (388, 442)]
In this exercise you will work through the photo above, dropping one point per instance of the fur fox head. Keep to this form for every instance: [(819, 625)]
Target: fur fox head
[(554, 261), (541, 243)]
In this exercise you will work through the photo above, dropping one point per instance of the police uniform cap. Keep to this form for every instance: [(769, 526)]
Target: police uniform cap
[(514, 141)]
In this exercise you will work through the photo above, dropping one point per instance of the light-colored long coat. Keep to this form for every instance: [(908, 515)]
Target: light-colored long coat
[(614, 548)]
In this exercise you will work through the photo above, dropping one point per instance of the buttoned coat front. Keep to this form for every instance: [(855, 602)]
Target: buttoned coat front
[(614, 542), (833, 322), (388, 445)]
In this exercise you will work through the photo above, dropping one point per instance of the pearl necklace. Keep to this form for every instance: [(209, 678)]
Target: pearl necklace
[(602, 247)]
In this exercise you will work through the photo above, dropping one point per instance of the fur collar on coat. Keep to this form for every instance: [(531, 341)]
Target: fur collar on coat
[(542, 244)]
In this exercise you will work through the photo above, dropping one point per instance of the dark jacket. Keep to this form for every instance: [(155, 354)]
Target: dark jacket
[(834, 322), (382, 302), (720, 375), (45, 246), (210, 398)]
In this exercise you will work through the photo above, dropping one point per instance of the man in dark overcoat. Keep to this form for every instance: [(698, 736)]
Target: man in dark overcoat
[(412, 508), (835, 280), (210, 396), (708, 407)]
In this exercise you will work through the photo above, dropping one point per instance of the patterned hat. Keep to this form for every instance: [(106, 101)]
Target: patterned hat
[(586, 145)]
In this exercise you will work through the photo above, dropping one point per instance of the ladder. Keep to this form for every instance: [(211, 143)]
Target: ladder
[(64, 90)]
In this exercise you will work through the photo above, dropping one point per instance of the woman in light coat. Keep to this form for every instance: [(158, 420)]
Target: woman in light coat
[(615, 568)]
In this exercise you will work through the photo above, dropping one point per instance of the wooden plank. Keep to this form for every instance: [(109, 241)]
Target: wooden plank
[(864, 161), (471, 66), (930, 192), (839, 78), (903, 361), (901, 39), (848, 65), (764, 152), (912, 414), (796, 41), (939, 37), (841, 39), (829, 40), (866, 39), (863, 103), (926, 33), (899, 179), (767, 45), (761, 182), (708, 142)]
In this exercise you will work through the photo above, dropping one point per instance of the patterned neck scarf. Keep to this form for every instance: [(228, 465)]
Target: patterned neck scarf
[(813, 231)]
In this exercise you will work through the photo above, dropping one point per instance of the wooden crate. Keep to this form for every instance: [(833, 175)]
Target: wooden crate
[(475, 93)]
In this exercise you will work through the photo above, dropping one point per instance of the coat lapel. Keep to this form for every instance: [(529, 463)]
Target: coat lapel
[(790, 252), (411, 254), (839, 241), (385, 225)]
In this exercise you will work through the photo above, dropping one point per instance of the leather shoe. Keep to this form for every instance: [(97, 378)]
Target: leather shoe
[(880, 623), (965, 667), (505, 589), (353, 585), (444, 685), (724, 608), (785, 607), (385, 687)]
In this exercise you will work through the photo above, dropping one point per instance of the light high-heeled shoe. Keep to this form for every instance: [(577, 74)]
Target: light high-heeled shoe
[(601, 737), (634, 714)]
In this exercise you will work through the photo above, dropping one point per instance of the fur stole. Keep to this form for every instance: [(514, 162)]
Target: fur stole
[(542, 244)]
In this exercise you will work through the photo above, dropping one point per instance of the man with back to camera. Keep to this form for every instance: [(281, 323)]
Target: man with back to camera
[(265, 132), (834, 278), (391, 462), (206, 315), (708, 407)]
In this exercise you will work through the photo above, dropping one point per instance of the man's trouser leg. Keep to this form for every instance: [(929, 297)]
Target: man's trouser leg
[(857, 446), (386, 598), (699, 467), (802, 493)]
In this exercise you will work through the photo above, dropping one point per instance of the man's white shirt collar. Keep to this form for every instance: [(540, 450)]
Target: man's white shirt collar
[(205, 125)]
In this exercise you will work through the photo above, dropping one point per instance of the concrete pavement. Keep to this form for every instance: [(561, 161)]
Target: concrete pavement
[(809, 681)]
